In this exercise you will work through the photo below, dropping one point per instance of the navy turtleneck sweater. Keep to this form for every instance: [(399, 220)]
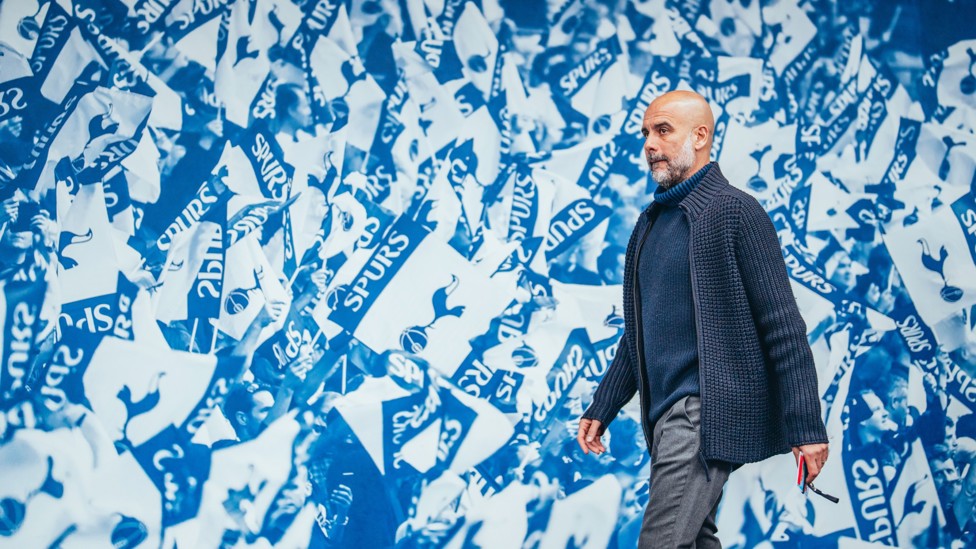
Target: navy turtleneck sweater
[(667, 309)]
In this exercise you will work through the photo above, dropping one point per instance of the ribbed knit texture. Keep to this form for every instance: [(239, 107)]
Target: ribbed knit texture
[(759, 384), (667, 309), (674, 195)]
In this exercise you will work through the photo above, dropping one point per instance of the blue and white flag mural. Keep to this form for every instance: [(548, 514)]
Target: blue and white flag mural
[(345, 273)]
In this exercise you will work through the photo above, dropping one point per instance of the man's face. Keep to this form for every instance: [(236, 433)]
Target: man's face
[(899, 403), (843, 275), (263, 401), (951, 439), (947, 481), (17, 240), (250, 422), (302, 111), (879, 421), (668, 145)]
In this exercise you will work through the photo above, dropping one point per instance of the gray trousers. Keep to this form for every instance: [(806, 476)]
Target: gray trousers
[(684, 498)]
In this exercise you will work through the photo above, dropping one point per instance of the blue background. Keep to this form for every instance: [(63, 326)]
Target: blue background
[(345, 273)]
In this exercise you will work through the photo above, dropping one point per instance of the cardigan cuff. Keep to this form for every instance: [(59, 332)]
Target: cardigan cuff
[(602, 413), (814, 435)]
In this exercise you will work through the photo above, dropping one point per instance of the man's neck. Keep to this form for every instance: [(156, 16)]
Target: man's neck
[(671, 196), (696, 167)]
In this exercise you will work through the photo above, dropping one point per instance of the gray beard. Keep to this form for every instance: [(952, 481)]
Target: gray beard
[(673, 175), (678, 167)]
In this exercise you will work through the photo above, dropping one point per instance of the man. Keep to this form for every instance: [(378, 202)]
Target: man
[(713, 341), (869, 430), (293, 112), (954, 473), (246, 407), (27, 237)]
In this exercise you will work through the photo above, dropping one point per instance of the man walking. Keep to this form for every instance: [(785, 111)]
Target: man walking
[(713, 341)]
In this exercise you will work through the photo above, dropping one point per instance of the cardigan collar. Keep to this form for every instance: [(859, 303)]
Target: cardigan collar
[(712, 184), (677, 193)]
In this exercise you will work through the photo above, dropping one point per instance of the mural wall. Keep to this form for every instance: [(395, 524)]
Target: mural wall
[(345, 273)]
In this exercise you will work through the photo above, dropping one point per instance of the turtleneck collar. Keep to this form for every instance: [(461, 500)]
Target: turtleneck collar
[(674, 195)]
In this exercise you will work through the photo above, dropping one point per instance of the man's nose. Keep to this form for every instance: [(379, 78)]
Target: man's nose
[(650, 144)]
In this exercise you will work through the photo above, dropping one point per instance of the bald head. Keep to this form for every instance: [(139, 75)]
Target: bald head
[(678, 128), (690, 106)]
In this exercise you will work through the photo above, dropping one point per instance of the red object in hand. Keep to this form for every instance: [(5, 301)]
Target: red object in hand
[(801, 473)]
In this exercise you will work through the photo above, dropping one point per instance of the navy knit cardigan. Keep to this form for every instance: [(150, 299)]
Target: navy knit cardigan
[(757, 378)]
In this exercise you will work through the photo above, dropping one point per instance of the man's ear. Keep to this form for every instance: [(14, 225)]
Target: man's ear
[(701, 136), (241, 417)]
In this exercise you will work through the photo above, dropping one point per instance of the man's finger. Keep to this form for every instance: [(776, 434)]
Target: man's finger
[(593, 437), (581, 436), (819, 457), (594, 431), (598, 445), (813, 469), (595, 446)]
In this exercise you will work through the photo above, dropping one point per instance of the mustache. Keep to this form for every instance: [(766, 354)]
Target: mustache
[(656, 158)]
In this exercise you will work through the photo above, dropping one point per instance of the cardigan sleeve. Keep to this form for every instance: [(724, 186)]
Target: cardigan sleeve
[(781, 329), (616, 388)]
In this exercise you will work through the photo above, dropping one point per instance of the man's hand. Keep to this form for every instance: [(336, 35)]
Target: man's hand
[(8, 210), (270, 313), (815, 456), (341, 500), (46, 227), (301, 365), (590, 431)]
